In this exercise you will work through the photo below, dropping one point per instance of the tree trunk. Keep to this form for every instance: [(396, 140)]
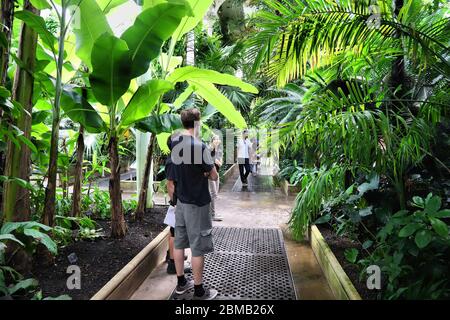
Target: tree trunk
[(16, 206), (118, 226), (50, 191), (144, 187), (76, 197), (6, 25)]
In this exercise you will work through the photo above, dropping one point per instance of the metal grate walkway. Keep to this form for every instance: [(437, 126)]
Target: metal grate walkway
[(247, 264)]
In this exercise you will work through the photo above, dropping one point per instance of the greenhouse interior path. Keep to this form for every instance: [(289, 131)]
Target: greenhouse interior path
[(252, 260)]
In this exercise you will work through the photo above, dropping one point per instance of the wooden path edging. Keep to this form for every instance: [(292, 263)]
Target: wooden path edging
[(340, 284), (130, 277)]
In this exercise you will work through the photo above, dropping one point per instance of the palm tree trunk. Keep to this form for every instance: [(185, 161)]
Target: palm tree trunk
[(76, 197), (50, 191), (118, 226), (145, 179), (6, 25), (16, 206)]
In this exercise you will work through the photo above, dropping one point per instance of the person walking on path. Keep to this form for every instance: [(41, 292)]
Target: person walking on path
[(216, 156), (193, 222), (243, 154)]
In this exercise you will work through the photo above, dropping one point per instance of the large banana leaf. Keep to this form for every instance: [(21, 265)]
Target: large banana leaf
[(40, 4), (107, 5), (91, 24), (157, 124), (149, 31), (213, 96), (190, 74), (144, 100), (79, 110), (111, 63), (37, 23), (152, 3), (199, 8), (183, 97)]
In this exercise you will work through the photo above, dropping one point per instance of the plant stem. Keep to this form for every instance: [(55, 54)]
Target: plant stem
[(50, 192)]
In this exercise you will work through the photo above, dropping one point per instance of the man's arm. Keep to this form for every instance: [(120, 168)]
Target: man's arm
[(170, 189)]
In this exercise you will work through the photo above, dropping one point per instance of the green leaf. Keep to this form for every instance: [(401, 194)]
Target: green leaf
[(418, 201), (213, 96), (423, 238), (183, 97), (43, 105), (152, 3), (199, 9), (323, 219), (26, 284), (111, 63), (4, 93), (148, 33), (27, 142), (37, 23), (107, 5), (144, 100), (79, 110), (439, 226), (367, 244), (162, 141), (442, 214), (409, 229), (351, 255), (42, 238), (160, 123), (433, 205), (3, 40), (11, 237), (194, 75), (92, 24), (368, 186), (40, 4)]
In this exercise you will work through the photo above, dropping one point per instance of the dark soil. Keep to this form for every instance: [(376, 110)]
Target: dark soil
[(338, 245), (99, 260)]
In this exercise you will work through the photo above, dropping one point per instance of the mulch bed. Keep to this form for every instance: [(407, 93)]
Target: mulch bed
[(338, 245), (99, 260)]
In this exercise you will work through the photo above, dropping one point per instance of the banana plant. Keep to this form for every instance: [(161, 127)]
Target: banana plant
[(116, 62), (201, 82)]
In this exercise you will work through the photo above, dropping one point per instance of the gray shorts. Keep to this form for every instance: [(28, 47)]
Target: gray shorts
[(193, 227)]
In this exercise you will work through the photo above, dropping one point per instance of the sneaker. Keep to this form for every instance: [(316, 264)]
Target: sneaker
[(182, 289), (209, 294), (217, 218)]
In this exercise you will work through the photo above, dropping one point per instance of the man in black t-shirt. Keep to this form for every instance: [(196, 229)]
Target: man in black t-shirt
[(193, 167)]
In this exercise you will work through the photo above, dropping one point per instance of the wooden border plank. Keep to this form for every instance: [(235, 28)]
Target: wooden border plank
[(340, 284), (130, 277)]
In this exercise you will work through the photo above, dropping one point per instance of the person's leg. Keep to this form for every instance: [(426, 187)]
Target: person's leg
[(198, 264), (199, 229), (247, 168), (214, 185), (241, 163), (178, 255), (213, 193), (181, 242)]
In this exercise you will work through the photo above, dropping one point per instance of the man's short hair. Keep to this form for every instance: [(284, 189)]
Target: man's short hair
[(189, 116)]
